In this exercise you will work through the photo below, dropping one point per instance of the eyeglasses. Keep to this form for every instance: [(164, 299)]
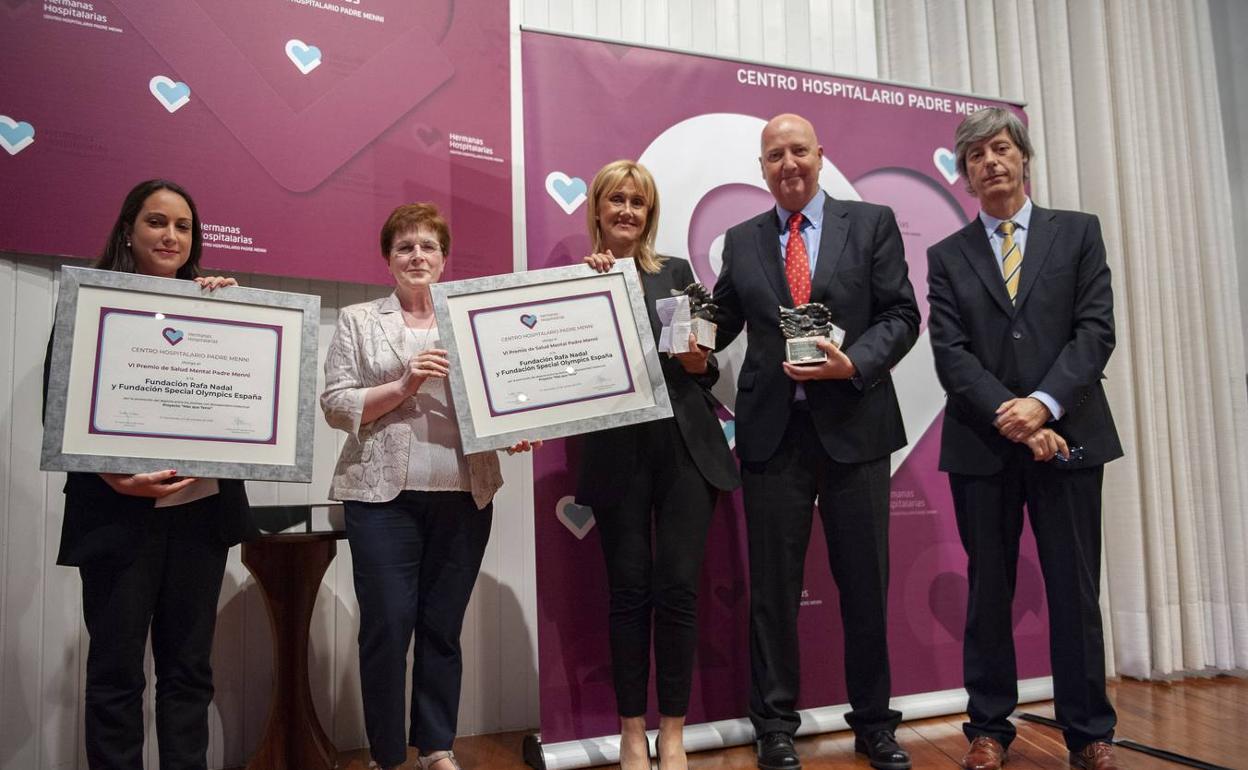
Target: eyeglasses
[(407, 249)]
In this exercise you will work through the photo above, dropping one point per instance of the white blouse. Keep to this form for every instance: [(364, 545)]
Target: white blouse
[(436, 462)]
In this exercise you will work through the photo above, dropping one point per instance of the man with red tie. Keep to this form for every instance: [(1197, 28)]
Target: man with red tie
[(817, 432), (1022, 325)]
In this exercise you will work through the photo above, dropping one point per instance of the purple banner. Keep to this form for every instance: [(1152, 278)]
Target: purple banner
[(695, 123), (297, 125)]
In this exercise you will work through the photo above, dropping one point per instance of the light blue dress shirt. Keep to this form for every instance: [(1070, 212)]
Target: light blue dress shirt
[(812, 228), (1022, 223), (811, 231)]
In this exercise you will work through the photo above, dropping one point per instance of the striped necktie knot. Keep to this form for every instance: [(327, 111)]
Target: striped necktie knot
[(1011, 258)]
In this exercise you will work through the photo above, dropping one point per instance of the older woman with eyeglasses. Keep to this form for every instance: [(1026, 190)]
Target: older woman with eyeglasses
[(418, 510)]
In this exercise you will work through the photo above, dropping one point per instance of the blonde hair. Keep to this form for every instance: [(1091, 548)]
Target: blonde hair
[(610, 178)]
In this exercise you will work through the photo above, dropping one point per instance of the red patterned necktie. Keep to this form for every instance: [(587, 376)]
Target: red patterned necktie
[(797, 262)]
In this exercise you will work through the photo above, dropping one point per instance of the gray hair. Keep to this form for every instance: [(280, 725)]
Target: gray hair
[(986, 123)]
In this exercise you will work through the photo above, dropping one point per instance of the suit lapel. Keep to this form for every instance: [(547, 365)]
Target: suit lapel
[(655, 286), (831, 246), (390, 316), (768, 236), (978, 252), (1040, 236)]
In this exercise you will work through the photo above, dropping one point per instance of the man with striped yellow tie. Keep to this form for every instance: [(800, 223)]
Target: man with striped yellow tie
[(1022, 326)]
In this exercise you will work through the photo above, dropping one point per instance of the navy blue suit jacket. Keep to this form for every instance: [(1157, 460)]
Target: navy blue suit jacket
[(861, 276), (1056, 338)]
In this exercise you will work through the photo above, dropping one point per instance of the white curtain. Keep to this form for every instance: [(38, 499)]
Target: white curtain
[(1123, 105)]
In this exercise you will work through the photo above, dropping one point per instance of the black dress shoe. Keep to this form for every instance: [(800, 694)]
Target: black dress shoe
[(882, 751), (776, 752)]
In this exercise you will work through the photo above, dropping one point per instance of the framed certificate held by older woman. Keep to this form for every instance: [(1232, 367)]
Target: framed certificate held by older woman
[(147, 373), (549, 353)]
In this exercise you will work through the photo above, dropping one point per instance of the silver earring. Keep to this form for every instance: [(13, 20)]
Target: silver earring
[(127, 243)]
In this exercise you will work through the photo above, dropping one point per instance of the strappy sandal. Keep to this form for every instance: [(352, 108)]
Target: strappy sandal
[(427, 761)]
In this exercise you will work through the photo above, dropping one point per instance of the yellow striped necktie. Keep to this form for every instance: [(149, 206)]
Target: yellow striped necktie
[(1011, 258)]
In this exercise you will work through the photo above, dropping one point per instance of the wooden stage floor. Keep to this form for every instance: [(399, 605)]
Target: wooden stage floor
[(1206, 719)]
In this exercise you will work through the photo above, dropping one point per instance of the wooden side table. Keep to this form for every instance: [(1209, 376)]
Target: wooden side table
[(289, 568)]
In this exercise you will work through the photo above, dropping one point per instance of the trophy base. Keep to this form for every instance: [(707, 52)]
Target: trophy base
[(804, 350), (703, 331)]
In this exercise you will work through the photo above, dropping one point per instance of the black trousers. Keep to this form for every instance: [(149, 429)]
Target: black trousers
[(1064, 507), (415, 562), (656, 581), (853, 504), (171, 587)]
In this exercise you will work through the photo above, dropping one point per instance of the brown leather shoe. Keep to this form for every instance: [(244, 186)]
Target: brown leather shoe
[(984, 754), (1095, 756)]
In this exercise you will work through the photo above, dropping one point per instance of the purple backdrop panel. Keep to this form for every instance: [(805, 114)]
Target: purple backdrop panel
[(698, 132), (297, 125)]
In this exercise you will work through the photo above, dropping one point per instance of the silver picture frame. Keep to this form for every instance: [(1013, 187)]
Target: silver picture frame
[(79, 436), (468, 314)]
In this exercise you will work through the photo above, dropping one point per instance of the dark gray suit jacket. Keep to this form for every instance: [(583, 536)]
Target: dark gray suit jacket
[(861, 275), (1055, 338)]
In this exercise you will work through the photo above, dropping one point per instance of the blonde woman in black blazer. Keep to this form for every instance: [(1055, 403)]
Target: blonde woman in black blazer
[(662, 477)]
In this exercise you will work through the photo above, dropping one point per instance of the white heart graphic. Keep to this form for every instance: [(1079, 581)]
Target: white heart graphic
[(171, 94), (558, 187), (946, 163), (305, 57), (579, 519)]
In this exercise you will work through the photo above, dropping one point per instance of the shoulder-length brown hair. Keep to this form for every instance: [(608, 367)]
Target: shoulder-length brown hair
[(609, 179)]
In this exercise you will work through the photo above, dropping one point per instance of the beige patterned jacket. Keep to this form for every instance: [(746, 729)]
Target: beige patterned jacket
[(368, 350)]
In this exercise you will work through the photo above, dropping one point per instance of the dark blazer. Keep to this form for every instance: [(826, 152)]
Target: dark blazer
[(104, 526), (861, 276), (606, 455), (1056, 338)]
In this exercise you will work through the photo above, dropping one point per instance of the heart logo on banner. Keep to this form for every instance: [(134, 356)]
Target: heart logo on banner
[(429, 135), (947, 598), (172, 336), (15, 136), (568, 191), (946, 163), (305, 57), (529, 320), (579, 519), (172, 95)]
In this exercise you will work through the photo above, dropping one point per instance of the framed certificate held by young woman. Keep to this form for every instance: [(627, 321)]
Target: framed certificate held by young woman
[(149, 373)]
